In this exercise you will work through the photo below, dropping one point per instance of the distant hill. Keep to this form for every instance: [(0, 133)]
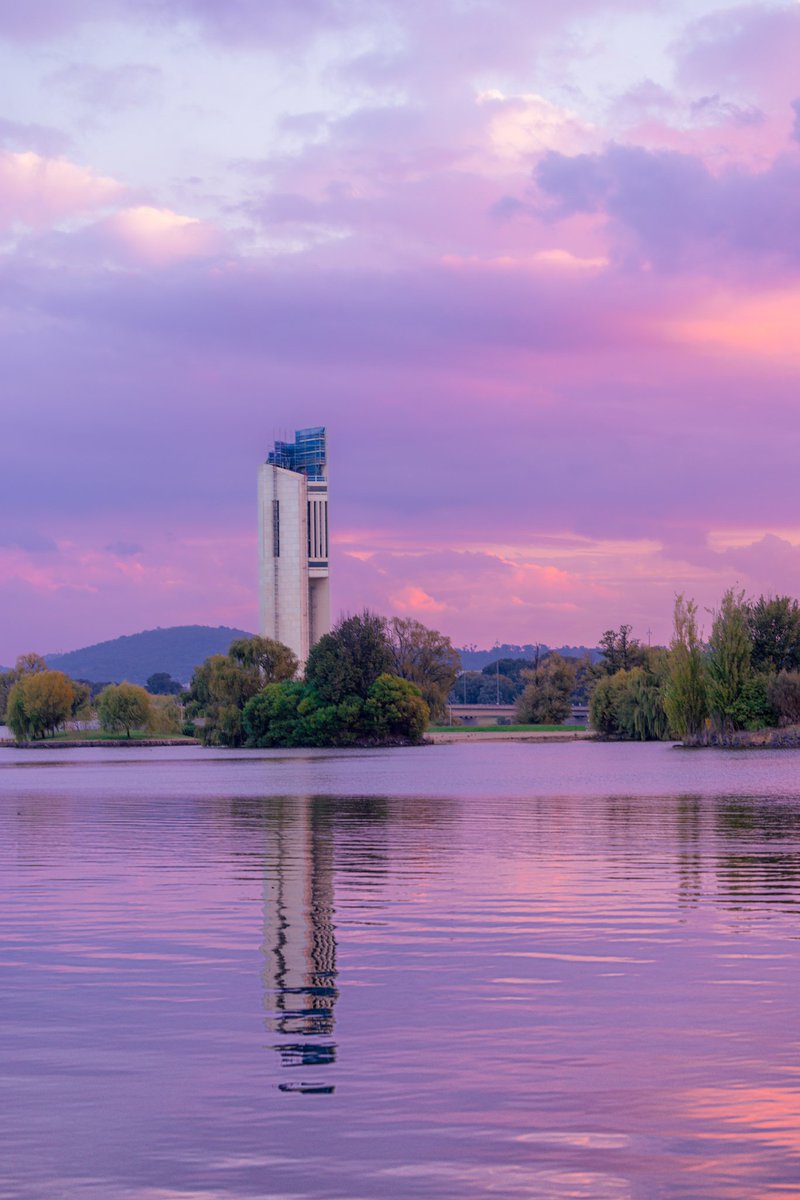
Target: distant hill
[(177, 651), (473, 659)]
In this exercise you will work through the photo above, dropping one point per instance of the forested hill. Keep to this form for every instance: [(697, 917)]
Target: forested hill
[(177, 651), (473, 659)]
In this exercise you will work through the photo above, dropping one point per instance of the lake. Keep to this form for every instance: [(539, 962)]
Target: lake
[(504, 970)]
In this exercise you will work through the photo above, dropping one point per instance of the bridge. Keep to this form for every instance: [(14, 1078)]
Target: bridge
[(503, 714)]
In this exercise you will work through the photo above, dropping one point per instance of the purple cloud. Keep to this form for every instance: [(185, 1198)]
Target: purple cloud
[(668, 209)]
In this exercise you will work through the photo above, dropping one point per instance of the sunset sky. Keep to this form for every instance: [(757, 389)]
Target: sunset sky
[(535, 266)]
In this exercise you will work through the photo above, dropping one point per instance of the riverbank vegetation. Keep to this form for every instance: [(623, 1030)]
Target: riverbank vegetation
[(370, 681), (744, 678), (37, 703)]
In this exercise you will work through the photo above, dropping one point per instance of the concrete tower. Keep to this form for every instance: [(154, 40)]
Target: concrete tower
[(293, 541)]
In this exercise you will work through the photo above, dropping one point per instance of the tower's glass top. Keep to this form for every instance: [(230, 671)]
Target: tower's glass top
[(307, 454)]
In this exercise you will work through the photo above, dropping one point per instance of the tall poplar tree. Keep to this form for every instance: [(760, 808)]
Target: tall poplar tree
[(729, 666), (685, 695)]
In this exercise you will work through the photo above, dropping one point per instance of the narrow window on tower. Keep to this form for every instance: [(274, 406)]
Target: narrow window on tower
[(308, 529), (276, 528)]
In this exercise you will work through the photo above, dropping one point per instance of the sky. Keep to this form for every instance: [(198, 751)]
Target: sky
[(536, 267)]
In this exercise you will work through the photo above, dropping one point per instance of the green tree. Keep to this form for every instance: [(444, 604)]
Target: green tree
[(546, 698), (395, 708), (424, 657), (273, 661), (685, 690), (271, 718), (161, 683), (783, 695), (774, 624), (476, 687), (38, 703), (729, 663), (347, 661), (164, 719), (123, 706)]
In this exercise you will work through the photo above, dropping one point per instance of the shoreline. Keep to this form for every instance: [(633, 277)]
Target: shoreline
[(95, 743), (519, 735)]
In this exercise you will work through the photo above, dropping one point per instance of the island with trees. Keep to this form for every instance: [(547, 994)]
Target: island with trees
[(371, 681), (738, 688)]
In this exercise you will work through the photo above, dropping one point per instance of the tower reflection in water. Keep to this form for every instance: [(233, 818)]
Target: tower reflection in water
[(299, 940)]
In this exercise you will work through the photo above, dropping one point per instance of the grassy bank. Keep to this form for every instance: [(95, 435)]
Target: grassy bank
[(506, 729)]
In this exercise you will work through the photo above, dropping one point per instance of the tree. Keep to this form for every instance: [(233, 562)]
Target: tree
[(164, 719), (27, 664), (123, 706), (774, 625), (348, 660), (620, 651), (424, 657), (728, 667), (7, 681), (273, 661), (783, 694), (630, 704), (546, 698), (685, 695), (161, 683), (475, 687), (30, 664), (38, 703), (396, 709)]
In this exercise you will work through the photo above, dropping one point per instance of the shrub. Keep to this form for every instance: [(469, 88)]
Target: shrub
[(783, 696), (395, 709)]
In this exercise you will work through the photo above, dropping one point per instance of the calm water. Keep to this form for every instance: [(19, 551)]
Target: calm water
[(513, 971)]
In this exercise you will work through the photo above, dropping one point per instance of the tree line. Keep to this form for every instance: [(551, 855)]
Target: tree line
[(36, 702), (370, 681), (744, 677)]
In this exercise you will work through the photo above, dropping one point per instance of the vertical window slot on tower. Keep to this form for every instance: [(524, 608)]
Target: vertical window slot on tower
[(276, 528)]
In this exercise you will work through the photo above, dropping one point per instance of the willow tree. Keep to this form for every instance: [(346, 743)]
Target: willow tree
[(685, 693)]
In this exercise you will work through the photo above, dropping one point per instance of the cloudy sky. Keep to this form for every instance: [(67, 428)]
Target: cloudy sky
[(536, 267)]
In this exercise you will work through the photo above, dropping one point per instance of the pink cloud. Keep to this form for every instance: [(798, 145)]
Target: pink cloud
[(38, 191)]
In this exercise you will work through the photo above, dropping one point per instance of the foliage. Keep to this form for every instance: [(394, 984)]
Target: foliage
[(348, 660), (783, 697), (477, 687), (161, 683), (123, 707), (27, 664), (396, 708), (546, 698), (7, 681), (219, 690), (165, 718), (38, 703), (424, 657), (753, 709), (81, 709), (685, 694), (728, 665), (774, 625), (620, 651), (271, 717), (630, 705), (273, 661), (294, 714)]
